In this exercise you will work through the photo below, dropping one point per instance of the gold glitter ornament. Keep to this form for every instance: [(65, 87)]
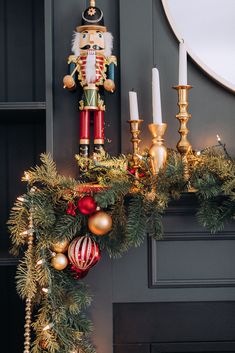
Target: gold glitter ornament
[(60, 246)]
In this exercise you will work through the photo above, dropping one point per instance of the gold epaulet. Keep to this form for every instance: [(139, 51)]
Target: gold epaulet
[(72, 59), (112, 60)]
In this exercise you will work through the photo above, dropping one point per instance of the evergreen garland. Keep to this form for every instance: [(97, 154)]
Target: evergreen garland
[(136, 208)]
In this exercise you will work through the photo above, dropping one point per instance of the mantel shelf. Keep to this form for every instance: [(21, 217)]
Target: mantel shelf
[(187, 204), (22, 105)]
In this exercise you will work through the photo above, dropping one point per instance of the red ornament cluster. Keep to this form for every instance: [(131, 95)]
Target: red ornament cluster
[(141, 174), (86, 205), (71, 210)]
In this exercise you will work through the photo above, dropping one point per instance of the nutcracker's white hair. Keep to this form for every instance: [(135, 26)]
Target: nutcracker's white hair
[(108, 40)]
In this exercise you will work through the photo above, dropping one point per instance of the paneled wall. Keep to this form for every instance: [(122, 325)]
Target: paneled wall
[(22, 47), (22, 137)]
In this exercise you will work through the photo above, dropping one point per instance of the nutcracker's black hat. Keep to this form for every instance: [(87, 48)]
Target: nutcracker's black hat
[(92, 18)]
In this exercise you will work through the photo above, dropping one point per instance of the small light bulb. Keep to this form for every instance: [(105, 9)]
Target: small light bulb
[(198, 153), (25, 232), (218, 138), (47, 327), (139, 156), (40, 262), (20, 198), (26, 176), (45, 290)]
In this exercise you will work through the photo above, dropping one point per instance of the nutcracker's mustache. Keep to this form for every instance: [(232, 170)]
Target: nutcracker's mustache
[(95, 47)]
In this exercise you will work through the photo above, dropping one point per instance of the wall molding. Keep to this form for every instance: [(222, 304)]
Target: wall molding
[(153, 276), (8, 261), (22, 105)]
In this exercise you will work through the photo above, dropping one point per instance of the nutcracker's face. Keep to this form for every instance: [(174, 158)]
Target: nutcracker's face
[(92, 40)]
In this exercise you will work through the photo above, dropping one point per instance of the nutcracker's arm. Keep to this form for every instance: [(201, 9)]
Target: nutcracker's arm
[(69, 80), (109, 84)]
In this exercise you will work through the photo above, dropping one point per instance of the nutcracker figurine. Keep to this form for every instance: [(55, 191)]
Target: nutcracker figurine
[(91, 66)]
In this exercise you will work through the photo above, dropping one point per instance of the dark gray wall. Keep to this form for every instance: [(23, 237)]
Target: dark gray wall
[(146, 39), (21, 48)]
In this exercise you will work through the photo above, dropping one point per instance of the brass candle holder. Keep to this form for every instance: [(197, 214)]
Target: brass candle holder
[(135, 132), (183, 146), (157, 151)]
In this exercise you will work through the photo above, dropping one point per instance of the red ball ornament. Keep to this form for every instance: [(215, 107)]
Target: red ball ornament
[(87, 205), (83, 253)]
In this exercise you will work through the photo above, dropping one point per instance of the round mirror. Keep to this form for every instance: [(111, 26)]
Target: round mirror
[(208, 29)]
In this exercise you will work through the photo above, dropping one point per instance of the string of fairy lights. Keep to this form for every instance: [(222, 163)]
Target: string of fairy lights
[(30, 241)]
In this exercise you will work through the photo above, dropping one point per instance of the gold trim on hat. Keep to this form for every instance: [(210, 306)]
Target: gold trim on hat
[(94, 27)]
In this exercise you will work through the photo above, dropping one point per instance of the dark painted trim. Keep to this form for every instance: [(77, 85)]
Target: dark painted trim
[(22, 106), (48, 4), (195, 347), (186, 205), (199, 235), (154, 282), (8, 261), (175, 347), (175, 326)]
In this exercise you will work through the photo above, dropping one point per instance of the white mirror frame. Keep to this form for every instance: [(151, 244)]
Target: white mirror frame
[(206, 68)]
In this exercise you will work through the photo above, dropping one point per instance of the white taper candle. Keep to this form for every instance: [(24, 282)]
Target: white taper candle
[(156, 97), (182, 64), (134, 112)]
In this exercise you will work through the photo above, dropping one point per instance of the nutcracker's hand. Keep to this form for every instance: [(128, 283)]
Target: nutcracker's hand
[(109, 85), (69, 82)]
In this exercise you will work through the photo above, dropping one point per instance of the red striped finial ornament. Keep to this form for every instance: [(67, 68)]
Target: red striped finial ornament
[(84, 253)]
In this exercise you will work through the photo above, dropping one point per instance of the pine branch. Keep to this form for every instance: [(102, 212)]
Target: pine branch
[(45, 174), (116, 191), (155, 226), (116, 241), (136, 221), (26, 277), (67, 227), (212, 214), (17, 224)]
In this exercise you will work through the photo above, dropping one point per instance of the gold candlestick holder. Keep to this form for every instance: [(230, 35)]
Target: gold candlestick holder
[(183, 146), (157, 151), (135, 132)]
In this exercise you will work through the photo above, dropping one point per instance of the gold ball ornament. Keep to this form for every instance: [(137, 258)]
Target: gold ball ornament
[(100, 223), (60, 246), (68, 82), (59, 262), (109, 85)]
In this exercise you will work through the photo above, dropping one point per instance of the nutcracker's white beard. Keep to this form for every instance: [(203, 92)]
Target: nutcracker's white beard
[(91, 67), (108, 40)]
